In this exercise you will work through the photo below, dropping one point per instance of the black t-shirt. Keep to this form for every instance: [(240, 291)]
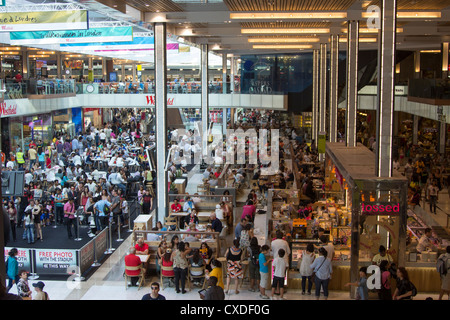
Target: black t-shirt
[(404, 286), (149, 297)]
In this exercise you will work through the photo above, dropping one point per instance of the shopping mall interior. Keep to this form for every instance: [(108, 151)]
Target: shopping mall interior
[(286, 125)]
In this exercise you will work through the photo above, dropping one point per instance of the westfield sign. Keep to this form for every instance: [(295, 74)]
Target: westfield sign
[(151, 101), (8, 109)]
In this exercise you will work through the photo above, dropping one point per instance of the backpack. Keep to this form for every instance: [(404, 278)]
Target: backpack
[(441, 266), (255, 257)]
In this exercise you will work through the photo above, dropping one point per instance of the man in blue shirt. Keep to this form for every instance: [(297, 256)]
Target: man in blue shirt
[(216, 224), (100, 216)]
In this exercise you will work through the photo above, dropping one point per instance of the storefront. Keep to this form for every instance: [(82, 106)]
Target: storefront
[(93, 116)]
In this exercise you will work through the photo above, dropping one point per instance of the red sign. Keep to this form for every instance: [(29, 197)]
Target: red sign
[(151, 100), (8, 109)]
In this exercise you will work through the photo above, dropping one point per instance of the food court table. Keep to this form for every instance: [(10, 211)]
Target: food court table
[(178, 215)]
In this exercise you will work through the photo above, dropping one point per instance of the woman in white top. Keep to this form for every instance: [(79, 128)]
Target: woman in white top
[(304, 263)]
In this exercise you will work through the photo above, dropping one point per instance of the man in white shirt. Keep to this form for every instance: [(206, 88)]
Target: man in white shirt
[(328, 245), (425, 241), (278, 244)]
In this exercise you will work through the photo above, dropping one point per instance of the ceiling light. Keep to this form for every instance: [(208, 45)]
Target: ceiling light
[(406, 15), (282, 46), (285, 40), (365, 40), (370, 30), (285, 30), (430, 51), (289, 15)]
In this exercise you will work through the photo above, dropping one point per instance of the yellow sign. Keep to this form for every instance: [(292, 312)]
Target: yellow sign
[(44, 20), (139, 67)]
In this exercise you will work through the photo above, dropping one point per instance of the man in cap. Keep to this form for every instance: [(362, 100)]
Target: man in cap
[(40, 293)]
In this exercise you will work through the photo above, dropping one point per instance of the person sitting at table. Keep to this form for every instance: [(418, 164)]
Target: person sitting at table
[(153, 236), (174, 241), (196, 261), (175, 207), (192, 237), (188, 204), (132, 260), (216, 224), (141, 247), (190, 218)]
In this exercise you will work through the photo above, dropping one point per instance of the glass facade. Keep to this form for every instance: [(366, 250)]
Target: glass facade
[(277, 73)]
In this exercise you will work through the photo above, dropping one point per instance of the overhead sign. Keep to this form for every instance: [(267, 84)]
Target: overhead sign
[(43, 20), (72, 36)]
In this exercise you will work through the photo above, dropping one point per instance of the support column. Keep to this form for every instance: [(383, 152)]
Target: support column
[(91, 69), (224, 73), (59, 72), (232, 71), (334, 80), (417, 64), (444, 53), (315, 98), (204, 96), (415, 129), (104, 68), (442, 136), (386, 88), (122, 72), (25, 64), (322, 99), (352, 82), (161, 120), (134, 72)]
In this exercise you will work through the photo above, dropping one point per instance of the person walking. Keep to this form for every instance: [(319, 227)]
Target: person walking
[(322, 269), (12, 268), (433, 191), (264, 271), (445, 275), (154, 294), (279, 266), (404, 290), (214, 292), (385, 291), (234, 265), (362, 292), (12, 213), (40, 293), (305, 270), (69, 216)]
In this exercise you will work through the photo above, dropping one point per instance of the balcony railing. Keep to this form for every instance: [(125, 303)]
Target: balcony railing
[(430, 91), (28, 88)]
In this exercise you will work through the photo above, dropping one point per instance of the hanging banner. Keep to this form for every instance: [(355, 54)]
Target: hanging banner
[(72, 36), (44, 20), (321, 142)]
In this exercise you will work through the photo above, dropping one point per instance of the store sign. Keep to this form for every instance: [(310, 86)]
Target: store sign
[(78, 64), (7, 109), (72, 36), (43, 20), (380, 209), (152, 101)]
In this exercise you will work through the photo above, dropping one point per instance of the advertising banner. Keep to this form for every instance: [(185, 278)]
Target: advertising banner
[(72, 36), (321, 142), (87, 256), (101, 243), (54, 261), (43, 20), (23, 258)]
